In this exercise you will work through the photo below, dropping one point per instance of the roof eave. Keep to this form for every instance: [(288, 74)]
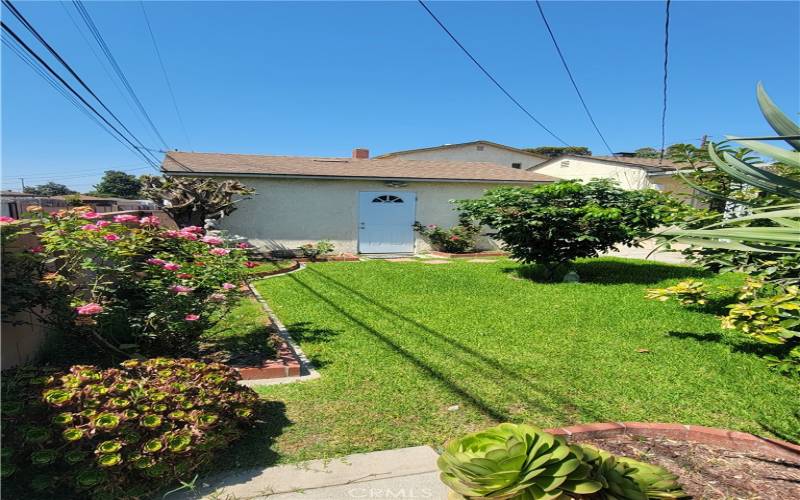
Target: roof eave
[(182, 173)]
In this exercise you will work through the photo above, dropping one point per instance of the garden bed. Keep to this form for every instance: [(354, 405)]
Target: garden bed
[(273, 267), (488, 253)]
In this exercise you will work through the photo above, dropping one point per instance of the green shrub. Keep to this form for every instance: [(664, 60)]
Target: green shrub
[(314, 250), (457, 239), (118, 433), (689, 292)]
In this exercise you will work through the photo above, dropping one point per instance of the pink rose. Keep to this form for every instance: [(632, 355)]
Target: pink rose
[(102, 223), (243, 245), (180, 289), (89, 309), (4, 219), (187, 236), (431, 226), (192, 229), (250, 264), (171, 266), (228, 286), (219, 251), (156, 262), (90, 227), (36, 249), (191, 317), (211, 240), (125, 218), (217, 297), (150, 220), (454, 238), (91, 215), (170, 234), (111, 237)]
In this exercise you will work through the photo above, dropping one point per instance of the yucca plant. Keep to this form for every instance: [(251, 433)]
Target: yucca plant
[(513, 461)]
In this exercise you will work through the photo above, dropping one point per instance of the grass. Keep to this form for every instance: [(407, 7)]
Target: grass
[(271, 265), (413, 354), (242, 336)]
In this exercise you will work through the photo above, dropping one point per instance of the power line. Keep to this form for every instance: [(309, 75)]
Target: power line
[(30, 51), (87, 19), (488, 75), (666, 73), (166, 78), (571, 78), (40, 178), (66, 65)]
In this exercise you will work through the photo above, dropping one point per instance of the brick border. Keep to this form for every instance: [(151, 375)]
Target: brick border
[(448, 255), (265, 274), (734, 440), (342, 257), (286, 365)]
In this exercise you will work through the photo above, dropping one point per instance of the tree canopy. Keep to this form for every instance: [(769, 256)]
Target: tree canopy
[(49, 189), (554, 151), (119, 184)]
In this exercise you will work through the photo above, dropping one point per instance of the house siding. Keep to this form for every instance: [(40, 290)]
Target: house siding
[(586, 170), (287, 213), (470, 153)]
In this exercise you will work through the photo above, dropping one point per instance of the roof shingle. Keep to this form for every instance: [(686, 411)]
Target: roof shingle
[(184, 163)]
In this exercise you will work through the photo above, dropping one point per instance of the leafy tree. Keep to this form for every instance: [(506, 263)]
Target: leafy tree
[(647, 152), (49, 189), (554, 151), (192, 200), (119, 184), (553, 224)]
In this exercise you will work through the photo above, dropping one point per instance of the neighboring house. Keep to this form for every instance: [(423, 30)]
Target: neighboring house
[(476, 151), (361, 205), (15, 203), (630, 172)]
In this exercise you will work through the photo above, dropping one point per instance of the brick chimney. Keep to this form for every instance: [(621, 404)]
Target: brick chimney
[(361, 153)]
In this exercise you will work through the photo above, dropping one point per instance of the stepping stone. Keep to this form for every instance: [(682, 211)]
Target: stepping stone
[(436, 261), (482, 260)]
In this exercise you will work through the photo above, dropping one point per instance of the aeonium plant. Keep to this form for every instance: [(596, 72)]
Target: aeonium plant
[(130, 286)]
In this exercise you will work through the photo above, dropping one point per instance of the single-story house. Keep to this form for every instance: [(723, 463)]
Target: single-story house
[(630, 172), (475, 151), (14, 203), (361, 205)]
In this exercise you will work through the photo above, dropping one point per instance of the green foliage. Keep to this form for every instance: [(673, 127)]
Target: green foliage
[(119, 184), (192, 200), (647, 152), (118, 433), (513, 461), (318, 249), (127, 286), (553, 224), (49, 189), (689, 292), (457, 239), (556, 151)]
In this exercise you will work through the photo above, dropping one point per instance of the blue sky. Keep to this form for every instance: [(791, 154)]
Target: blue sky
[(310, 78)]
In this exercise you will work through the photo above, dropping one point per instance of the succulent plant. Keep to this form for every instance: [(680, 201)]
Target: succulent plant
[(511, 461)]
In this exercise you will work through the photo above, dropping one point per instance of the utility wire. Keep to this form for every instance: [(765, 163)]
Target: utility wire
[(666, 73), (31, 52), (572, 79), (166, 78), (489, 75), (87, 19), (71, 71)]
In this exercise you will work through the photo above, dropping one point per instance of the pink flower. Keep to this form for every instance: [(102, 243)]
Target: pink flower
[(192, 317), (91, 215), (180, 289), (111, 237), (150, 220), (171, 266), (5, 219), (102, 223), (217, 297), (219, 251), (125, 218), (211, 240), (250, 264), (228, 286), (243, 245), (156, 262), (89, 309), (170, 234), (454, 238), (90, 227), (184, 275), (431, 226), (187, 236), (36, 249), (192, 229)]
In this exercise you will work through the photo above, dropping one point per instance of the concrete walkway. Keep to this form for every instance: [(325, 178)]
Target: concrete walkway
[(405, 473), (669, 257)]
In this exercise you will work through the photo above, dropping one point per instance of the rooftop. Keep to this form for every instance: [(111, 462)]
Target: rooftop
[(183, 163), (448, 146)]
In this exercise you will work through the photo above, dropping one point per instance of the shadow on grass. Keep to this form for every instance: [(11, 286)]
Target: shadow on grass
[(611, 272), (304, 331), (247, 348), (786, 430), (736, 343), (255, 447)]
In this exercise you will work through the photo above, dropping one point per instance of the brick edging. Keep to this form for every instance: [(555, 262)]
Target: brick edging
[(735, 440), (285, 365), (263, 274), (436, 253)]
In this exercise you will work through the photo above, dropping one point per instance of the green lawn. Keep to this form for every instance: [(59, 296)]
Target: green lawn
[(400, 344)]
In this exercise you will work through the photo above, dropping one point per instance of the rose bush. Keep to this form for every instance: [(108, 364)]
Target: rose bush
[(117, 433), (457, 239), (127, 285)]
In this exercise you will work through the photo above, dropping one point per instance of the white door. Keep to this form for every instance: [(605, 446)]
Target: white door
[(386, 221)]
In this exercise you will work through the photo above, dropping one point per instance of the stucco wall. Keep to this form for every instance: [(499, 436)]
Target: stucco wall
[(586, 170), (287, 213), (470, 153)]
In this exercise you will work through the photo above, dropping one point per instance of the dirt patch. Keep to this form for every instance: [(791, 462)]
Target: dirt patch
[(712, 472), (482, 260)]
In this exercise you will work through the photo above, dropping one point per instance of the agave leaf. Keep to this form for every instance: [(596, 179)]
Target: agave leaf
[(748, 174), (731, 245), (769, 235), (582, 487), (562, 468), (779, 121), (791, 158)]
